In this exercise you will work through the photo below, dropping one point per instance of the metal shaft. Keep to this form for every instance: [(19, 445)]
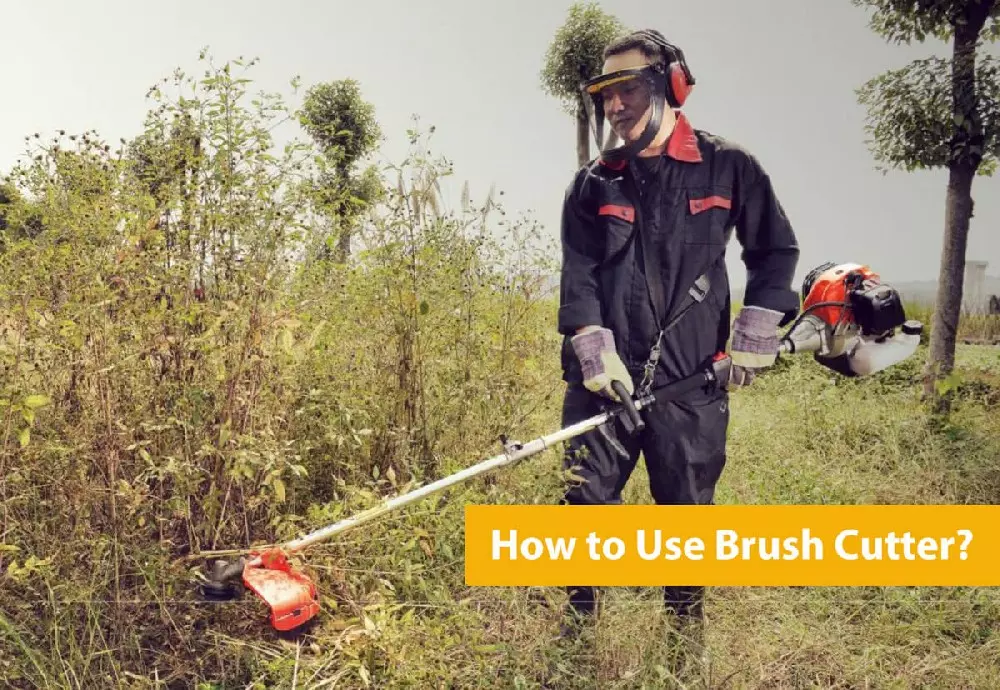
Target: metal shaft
[(700, 378), (493, 463)]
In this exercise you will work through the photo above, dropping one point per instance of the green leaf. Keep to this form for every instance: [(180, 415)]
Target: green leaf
[(36, 401), (948, 384), (279, 490), (24, 436)]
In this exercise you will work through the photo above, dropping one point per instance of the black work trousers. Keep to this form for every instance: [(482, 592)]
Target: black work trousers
[(684, 449)]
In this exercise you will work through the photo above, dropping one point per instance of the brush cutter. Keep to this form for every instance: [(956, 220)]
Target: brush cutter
[(849, 322), (293, 598)]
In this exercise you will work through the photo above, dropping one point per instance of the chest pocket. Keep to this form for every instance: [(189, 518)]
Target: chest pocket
[(617, 224), (707, 215)]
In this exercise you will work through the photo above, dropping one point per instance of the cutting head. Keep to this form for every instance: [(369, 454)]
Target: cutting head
[(291, 596)]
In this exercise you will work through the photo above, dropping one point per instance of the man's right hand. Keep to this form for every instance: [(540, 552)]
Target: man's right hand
[(595, 348)]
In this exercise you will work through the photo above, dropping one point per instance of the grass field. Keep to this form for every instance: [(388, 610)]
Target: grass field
[(397, 613), (405, 619)]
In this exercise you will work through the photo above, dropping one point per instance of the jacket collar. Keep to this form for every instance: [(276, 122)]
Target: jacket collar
[(681, 145)]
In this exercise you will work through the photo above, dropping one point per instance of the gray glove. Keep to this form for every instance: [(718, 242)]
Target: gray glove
[(595, 348), (755, 343)]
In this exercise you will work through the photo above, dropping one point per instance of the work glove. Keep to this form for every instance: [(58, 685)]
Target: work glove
[(755, 343), (595, 348)]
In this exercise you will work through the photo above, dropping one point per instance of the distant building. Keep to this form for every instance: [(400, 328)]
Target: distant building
[(975, 298)]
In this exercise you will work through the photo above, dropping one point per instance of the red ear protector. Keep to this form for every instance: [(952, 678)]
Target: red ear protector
[(679, 80)]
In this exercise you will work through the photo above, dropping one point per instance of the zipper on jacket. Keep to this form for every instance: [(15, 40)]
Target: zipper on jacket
[(635, 184)]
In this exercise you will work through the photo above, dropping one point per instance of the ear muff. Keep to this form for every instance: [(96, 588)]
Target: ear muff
[(678, 86), (680, 81)]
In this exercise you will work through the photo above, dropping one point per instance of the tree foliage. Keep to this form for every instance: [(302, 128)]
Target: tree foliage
[(340, 121), (576, 52), (935, 112), (911, 119), (905, 21)]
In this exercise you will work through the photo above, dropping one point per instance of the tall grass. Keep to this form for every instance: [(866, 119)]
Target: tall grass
[(182, 372), (973, 328), (799, 435)]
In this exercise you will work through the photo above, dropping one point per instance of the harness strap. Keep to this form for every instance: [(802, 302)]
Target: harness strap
[(696, 293)]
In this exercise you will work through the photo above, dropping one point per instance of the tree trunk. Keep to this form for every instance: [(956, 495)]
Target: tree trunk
[(343, 217), (958, 203), (344, 242), (947, 312), (582, 137)]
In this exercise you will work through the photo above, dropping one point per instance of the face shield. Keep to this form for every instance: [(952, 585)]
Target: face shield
[(624, 106)]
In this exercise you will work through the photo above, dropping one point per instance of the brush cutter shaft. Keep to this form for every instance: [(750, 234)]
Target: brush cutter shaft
[(710, 376), (527, 450)]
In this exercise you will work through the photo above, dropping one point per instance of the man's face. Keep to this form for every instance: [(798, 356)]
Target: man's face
[(626, 103)]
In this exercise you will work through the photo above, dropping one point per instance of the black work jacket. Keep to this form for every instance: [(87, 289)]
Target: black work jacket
[(704, 188)]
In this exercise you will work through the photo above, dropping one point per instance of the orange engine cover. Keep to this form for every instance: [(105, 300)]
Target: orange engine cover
[(831, 286)]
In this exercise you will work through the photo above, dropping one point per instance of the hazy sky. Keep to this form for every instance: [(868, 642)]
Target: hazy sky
[(777, 76)]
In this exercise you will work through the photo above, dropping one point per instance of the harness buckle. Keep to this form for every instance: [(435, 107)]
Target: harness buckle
[(649, 369)]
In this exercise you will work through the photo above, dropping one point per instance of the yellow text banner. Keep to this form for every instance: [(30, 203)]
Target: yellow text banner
[(780, 545)]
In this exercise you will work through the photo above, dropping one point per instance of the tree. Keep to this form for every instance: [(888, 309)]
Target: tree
[(575, 55), (939, 113), (343, 125)]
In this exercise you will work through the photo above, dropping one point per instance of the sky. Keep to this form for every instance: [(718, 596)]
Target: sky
[(776, 76)]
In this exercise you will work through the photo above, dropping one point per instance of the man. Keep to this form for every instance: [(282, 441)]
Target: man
[(644, 232)]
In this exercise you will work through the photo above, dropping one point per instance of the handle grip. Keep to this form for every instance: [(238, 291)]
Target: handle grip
[(633, 419)]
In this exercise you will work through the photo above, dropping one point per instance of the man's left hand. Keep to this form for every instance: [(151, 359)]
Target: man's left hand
[(755, 343)]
